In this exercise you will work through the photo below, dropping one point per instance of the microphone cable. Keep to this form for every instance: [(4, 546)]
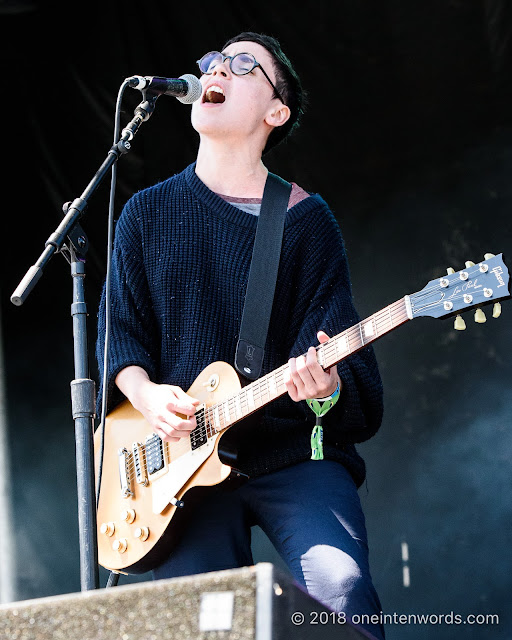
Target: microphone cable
[(108, 277)]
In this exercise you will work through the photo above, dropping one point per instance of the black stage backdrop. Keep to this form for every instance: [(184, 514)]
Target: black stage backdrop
[(408, 136)]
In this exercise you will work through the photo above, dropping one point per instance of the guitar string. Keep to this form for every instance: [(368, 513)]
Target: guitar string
[(205, 428), (438, 287), (260, 388), (349, 334)]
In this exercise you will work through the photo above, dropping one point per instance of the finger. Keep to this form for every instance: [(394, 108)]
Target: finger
[(322, 337), (289, 380), (182, 403), (183, 396), (300, 374), (176, 421), (179, 424), (163, 435), (325, 380), (318, 374), (304, 380), (177, 432)]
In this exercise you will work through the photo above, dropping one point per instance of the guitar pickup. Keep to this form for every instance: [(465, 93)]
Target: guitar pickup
[(199, 435), (141, 476), (154, 454), (123, 458)]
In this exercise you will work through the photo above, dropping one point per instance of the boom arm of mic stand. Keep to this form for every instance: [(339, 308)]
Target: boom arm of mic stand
[(77, 207)]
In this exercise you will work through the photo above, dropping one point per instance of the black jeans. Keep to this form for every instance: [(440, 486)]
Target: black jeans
[(312, 514)]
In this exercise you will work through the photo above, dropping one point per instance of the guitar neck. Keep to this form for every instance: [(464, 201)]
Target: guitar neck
[(363, 333), (261, 392)]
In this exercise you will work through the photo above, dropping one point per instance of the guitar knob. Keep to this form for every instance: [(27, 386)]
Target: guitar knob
[(142, 533), (496, 310), (128, 515), (488, 256), (469, 263), (108, 528), (480, 316), (450, 270), (459, 325), (120, 545)]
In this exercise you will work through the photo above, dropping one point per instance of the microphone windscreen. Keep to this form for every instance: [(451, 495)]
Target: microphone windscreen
[(195, 89)]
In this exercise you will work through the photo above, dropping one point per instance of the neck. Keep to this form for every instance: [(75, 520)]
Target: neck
[(231, 170)]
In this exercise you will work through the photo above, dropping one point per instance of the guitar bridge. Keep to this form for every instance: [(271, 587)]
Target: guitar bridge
[(123, 458)]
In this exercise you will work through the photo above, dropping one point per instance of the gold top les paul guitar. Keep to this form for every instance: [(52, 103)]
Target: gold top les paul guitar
[(146, 483)]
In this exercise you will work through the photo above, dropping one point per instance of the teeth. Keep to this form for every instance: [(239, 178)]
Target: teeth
[(214, 94)]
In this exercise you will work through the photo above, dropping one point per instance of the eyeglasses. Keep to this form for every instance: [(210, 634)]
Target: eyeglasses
[(240, 64)]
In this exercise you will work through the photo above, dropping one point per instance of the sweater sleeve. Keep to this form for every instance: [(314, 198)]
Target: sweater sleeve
[(327, 304), (132, 321)]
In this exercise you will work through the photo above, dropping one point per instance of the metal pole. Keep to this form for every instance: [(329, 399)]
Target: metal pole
[(7, 553)]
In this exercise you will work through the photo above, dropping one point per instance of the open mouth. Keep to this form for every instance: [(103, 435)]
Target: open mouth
[(214, 94)]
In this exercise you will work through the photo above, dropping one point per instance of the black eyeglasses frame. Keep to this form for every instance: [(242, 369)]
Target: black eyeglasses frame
[(230, 58)]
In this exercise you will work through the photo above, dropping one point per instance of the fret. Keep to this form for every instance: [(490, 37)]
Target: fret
[(398, 313), (262, 388), (360, 326), (355, 341), (238, 407), (272, 385), (263, 395), (225, 409), (334, 350), (249, 394), (342, 346), (279, 380), (370, 328), (216, 418)]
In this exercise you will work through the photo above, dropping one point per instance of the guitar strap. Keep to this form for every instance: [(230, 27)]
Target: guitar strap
[(262, 277)]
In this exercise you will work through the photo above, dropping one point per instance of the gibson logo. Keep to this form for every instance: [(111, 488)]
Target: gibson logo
[(497, 272)]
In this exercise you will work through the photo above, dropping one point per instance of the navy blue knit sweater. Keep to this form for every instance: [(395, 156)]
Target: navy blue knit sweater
[(180, 269)]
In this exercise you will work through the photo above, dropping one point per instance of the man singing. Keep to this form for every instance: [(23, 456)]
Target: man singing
[(180, 269)]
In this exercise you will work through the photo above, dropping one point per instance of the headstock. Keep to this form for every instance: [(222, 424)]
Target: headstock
[(474, 286)]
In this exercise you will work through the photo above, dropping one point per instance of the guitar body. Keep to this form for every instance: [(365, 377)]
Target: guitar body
[(126, 514)]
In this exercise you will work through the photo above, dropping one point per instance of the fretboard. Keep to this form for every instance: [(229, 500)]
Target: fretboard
[(261, 392)]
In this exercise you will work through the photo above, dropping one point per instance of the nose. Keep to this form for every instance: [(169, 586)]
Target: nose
[(222, 68)]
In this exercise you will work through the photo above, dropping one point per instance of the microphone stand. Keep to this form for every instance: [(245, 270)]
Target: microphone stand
[(70, 240)]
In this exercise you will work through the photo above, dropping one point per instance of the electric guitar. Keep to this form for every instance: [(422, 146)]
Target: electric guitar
[(147, 484)]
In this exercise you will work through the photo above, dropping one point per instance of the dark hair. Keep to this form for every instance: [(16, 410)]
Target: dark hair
[(287, 83)]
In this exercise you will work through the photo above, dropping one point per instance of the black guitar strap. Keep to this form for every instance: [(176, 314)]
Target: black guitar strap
[(262, 277)]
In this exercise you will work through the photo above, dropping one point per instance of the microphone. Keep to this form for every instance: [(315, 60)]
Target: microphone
[(186, 88)]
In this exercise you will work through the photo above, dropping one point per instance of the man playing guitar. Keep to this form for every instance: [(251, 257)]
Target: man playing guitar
[(180, 268)]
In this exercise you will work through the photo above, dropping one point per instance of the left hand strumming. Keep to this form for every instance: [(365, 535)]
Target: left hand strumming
[(306, 378)]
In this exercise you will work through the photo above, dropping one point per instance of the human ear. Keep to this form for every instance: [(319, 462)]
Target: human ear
[(277, 116)]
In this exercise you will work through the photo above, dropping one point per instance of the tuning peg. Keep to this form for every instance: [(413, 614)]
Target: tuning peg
[(450, 270), (488, 256), (496, 310), (480, 316), (460, 325), (470, 263)]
